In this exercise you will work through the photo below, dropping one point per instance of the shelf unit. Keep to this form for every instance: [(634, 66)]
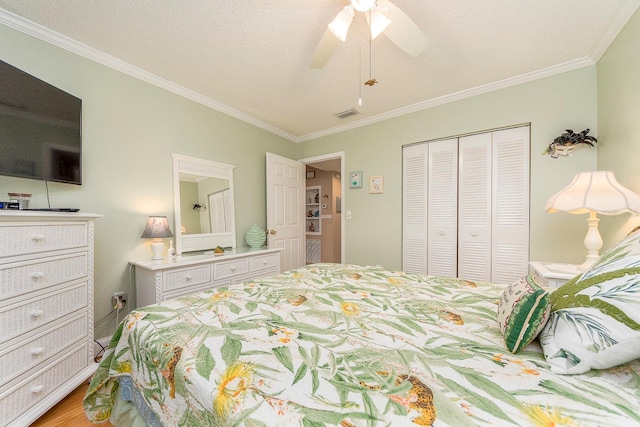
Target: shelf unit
[(312, 210)]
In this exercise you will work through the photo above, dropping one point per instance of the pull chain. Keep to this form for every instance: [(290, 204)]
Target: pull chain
[(360, 77), (371, 80)]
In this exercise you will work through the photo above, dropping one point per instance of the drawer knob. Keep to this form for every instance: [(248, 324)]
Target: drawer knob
[(188, 278), (37, 275), (264, 262), (233, 268), (474, 234), (37, 388), (37, 350), (37, 313), (38, 238)]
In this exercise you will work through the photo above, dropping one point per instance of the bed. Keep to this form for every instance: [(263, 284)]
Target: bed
[(347, 345)]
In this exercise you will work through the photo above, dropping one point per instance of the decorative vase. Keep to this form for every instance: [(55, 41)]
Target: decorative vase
[(255, 236)]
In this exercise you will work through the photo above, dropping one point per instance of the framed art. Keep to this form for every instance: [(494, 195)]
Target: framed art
[(311, 174), (355, 179), (375, 184)]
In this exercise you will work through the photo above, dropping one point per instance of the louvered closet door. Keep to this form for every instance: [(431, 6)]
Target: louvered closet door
[(442, 218), (474, 207), (414, 208), (510, 228)]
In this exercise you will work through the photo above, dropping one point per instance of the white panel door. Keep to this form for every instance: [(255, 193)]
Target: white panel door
[(414, 208), (442, 223), (510, 228), (474, 207), (285, 204)]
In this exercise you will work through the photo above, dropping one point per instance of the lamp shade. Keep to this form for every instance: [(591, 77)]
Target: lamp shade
[(157, 228), (340, 25), (597, 191), (363, 5), (378, 22)]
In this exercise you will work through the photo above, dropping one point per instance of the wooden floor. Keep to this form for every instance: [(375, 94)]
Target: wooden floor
[(68, 412)]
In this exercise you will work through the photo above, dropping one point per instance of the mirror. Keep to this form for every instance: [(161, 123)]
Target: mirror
[(203, 202)]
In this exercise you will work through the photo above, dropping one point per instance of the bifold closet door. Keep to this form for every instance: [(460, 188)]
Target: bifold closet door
[(414, 208), (429, 213), (465, 209), (493, 198), (474, 207), (510, 204), (442, 201)]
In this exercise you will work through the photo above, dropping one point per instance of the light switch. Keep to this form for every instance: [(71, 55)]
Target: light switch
[(348, 214)]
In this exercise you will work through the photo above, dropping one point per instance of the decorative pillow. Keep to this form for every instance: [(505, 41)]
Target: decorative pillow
[(595, 317), (523, 311)]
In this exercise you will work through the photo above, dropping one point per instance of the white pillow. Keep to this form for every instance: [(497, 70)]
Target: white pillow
[(595, 318)]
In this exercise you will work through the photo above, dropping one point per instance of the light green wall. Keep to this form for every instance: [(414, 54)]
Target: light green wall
[(130, 128), (619, 120), (551, 105)]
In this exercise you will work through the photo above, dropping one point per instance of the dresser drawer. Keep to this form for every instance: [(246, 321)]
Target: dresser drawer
[(227, 269), (194, 289), (186, 277), (18, 399), (38, 348), (265, 262), (20, 278), (16, 319), (24, 239)]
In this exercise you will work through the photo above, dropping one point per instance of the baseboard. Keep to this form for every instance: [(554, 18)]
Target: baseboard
[(97, 350)]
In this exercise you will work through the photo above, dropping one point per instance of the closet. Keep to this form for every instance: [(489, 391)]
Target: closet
[(465, 206)]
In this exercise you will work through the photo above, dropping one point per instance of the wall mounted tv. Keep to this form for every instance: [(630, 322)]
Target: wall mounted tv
[(40, 129)]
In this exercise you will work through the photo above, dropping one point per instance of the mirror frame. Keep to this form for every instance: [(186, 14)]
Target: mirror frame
[(206, 169)]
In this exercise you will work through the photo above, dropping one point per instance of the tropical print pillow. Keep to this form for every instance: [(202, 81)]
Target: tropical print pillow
[(595, 317), (523, 311)]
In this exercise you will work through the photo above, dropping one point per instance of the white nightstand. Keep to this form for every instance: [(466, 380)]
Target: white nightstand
[(553, 275)]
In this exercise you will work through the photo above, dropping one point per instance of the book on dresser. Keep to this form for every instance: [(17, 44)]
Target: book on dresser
[(46, 310), (157, 281)]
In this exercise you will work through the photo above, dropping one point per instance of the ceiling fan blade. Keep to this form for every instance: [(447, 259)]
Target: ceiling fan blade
[(402, 31), (325, 49)]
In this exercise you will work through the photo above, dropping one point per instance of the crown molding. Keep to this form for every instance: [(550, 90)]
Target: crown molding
[(617, 22), (47, 35), (458, 96)]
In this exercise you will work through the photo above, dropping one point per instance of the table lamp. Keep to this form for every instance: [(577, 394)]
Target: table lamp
[(594, 193), (157, 229)]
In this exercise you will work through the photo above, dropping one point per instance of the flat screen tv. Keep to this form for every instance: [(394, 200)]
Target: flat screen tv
[(40, 129)]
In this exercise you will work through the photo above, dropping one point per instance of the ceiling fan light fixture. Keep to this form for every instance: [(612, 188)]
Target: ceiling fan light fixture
[(378, 22), (363, 5), (340, 25)]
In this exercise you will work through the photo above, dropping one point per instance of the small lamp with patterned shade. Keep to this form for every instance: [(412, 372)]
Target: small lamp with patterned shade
[(157, 229)]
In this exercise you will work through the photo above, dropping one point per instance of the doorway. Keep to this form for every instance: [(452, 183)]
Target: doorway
[(324, 203)]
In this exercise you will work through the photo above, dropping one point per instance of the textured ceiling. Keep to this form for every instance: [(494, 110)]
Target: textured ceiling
[(251, 58)]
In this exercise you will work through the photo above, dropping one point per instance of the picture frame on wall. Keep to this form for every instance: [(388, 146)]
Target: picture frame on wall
[(355, 179), (375, 184), (311, 174)]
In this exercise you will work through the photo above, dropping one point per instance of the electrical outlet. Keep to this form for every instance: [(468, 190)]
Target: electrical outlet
[(119, 300)]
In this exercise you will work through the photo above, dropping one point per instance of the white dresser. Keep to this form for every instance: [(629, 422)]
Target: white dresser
[(46, 310), (157, 281)]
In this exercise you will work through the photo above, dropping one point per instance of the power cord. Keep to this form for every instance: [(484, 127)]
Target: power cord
[(98, 357)]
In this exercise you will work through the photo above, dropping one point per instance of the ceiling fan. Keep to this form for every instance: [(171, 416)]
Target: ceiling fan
[(382, 17)]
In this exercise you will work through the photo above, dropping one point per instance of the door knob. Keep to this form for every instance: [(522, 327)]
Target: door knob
[(272, 231)]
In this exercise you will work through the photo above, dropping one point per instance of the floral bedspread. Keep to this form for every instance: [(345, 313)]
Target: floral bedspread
[(348, 345)]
